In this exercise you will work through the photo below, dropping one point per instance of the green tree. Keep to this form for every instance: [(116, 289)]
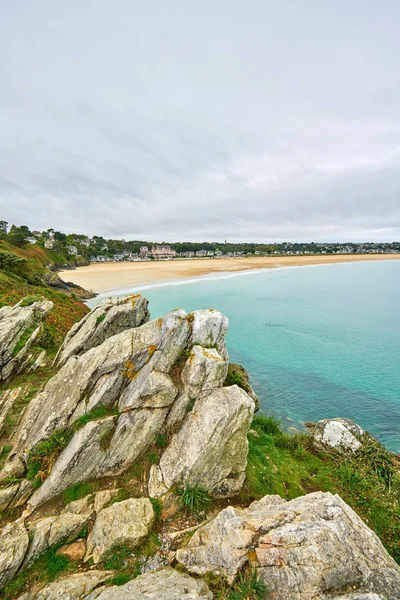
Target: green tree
[(17, 235)]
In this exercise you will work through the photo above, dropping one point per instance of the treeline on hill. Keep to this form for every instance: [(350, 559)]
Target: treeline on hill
[(74, 249)]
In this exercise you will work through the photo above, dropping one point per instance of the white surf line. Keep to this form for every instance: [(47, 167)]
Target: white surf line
[(127, 290)]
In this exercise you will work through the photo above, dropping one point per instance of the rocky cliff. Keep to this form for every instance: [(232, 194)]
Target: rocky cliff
[(137, 470)]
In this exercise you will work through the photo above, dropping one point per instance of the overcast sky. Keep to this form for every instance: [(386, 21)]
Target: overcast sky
[(173, 120)]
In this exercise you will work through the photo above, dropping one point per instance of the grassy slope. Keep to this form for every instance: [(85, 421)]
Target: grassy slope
[(287, 465), (67, 309)]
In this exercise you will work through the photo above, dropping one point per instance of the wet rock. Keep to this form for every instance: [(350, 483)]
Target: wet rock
[(210, 449), (315, 546), (110, 317), (123, 523)]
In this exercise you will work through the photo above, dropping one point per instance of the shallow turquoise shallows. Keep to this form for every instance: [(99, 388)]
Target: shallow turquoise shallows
[(318, 342)]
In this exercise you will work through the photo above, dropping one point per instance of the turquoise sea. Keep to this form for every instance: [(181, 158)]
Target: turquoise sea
[(320, 341)]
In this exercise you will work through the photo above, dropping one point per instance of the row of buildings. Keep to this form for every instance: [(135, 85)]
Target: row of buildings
[(163, 252)]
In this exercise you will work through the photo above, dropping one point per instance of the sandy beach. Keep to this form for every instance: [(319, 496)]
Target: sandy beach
[(103, 277)]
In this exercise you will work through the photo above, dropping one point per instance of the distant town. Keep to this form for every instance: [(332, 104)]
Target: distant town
[(98, 249)]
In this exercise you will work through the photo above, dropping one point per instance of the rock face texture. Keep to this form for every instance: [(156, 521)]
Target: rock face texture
[(339, 435), (210, 449), (107, 319), (312, 547), (73, 587), (165, 584), (124, 523), (14, 543), (19, 327), (154, 378)]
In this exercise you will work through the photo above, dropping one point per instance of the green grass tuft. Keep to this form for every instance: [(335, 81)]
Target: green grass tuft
[(77, 491), (194, 499)]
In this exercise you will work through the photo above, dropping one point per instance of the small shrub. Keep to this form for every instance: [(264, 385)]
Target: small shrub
[(194, 499), (117, 558), (157, 506), (76, 492), (267, 424), (6, 449), (42, 457), (153, 457), (29, 300), (100, 318), (97, 413), (120, 579), (161, 440), (190, 405), (248, 587)]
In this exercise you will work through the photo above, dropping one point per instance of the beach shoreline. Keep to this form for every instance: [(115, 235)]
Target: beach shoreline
[(105, 277)]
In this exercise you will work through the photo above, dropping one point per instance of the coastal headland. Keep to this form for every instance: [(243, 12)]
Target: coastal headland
[(102, 277)]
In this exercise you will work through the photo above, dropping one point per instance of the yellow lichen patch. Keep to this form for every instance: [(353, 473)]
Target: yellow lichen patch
[(129, 370), (209, 354), (151, 349), (190, 317), (159, 322), (252, 557), (132, 298)]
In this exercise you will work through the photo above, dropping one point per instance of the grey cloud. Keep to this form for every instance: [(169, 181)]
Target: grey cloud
[(241, 120)]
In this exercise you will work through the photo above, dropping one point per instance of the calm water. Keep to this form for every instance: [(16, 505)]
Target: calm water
[(318, 341)]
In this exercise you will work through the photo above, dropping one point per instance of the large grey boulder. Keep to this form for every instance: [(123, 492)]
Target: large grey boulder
[(342, 436), (108, 318), (71, 587), (14, 543), (124, 523), (20, 325), (315, 546), (210, 449), (165, 584)]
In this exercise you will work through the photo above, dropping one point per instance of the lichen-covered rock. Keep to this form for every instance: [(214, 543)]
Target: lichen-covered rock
[(126, 522), (71, 587), (204, 371), (315, 546), (108, 318), (82, 459), (210, 449), (19, 327), (209, 328), (15, 495), (7, 401), (165, 584), (339, 435), (14, 542), (50, 531), (99, 377)]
